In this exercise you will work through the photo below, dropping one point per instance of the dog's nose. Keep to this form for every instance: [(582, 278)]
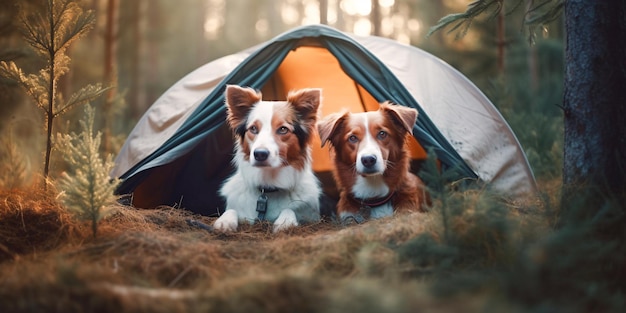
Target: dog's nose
[(261, 154), (368, 160)]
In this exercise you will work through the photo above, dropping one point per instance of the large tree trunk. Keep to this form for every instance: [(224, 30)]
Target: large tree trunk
[(594, 102), (137, 90), (110, 70)]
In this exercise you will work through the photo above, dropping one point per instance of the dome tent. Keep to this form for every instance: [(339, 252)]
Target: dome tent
[(179, 152)]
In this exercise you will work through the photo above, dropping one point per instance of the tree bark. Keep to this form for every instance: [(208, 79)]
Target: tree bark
[(594, 103), (50, 113), (501, 41), (324, 12), (376, 19), (533, 73), (154, 22), (110, 70), (137, 92)]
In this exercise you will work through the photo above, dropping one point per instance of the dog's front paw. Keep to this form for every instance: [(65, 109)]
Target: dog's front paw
[(285, 220), (228, 222)]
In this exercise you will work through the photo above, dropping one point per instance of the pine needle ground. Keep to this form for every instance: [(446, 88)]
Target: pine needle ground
[(158, 261)]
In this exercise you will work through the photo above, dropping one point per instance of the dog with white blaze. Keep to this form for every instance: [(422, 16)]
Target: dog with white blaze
[(273, 177), (371, 162)]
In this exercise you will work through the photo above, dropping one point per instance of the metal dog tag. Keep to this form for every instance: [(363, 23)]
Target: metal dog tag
[(261, 206)]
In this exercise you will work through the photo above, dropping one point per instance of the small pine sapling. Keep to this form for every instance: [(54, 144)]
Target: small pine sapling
[(87, 189), (50, 32)]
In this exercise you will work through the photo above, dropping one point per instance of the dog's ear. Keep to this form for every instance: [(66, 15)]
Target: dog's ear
[(329, 125), (405, 117), (239, 102), (306, 102)]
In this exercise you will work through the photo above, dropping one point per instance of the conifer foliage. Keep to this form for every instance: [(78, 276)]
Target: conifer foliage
[(13, 166), (537, 15), (50, 32), (88, 189)]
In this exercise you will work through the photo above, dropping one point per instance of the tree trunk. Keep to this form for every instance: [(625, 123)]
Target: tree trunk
[(594, 103), (533, 73), (376, 19), (110, 70), (324, 12), (137, 89), (154, 22), (50, 113), (501, 41)]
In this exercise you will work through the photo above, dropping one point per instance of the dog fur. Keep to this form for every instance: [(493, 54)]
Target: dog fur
[(371, 162), (272, 157)]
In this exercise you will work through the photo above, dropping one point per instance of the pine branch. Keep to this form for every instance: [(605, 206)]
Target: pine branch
[(537, 15), (73, 24), (31, 32), (11, 71), (37, 88), (465, 19), (33, 84), (543, 13), (83, 96), (13, 165)]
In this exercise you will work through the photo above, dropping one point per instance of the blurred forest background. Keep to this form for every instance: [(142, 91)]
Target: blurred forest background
[(471, 252), (142, 47)]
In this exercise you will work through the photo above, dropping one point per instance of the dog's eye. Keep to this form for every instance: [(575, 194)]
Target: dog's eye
[(353, 139), (382, 135), (253, 129), (282, 130)]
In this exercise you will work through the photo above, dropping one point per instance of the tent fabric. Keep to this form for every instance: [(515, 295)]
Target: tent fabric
[(310, 66), (462, 113), (466, 132)]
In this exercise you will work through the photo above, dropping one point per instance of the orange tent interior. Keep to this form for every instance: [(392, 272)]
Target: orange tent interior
[(316, 67), (311, 66)]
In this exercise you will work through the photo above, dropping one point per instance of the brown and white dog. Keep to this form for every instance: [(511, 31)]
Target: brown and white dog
[(273, 179), (372, 163)]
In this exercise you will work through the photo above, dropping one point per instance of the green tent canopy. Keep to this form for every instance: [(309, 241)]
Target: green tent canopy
[(180, 151)]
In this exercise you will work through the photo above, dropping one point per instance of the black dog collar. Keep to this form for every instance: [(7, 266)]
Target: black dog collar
[(374, 202)]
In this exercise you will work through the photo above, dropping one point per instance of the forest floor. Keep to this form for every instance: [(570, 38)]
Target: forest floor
[(159, 260)]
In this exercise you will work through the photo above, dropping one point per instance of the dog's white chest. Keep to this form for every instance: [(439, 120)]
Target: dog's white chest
[(382, 211)]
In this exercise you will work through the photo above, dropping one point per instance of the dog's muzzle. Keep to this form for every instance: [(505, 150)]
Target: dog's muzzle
[(261, 154), (369, 165)]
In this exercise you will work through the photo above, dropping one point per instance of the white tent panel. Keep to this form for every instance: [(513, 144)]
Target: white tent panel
[(462, 113), (170, 110)]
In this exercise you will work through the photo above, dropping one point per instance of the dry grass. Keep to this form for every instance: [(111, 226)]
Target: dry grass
[(157, 261)]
